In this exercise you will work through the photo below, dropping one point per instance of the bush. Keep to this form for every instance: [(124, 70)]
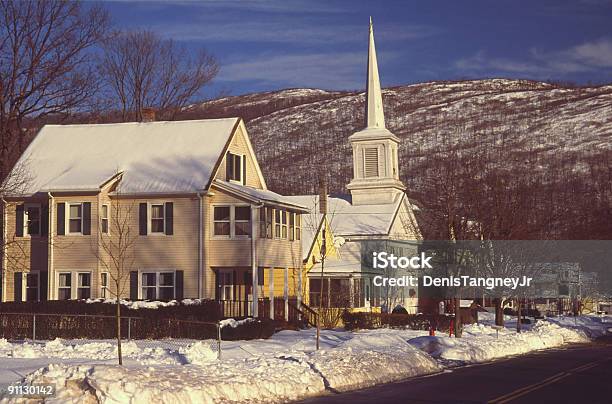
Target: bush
[(259, 329), (399, 310), (360, 320)]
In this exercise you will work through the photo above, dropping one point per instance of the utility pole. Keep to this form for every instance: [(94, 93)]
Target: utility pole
[(323, 211)]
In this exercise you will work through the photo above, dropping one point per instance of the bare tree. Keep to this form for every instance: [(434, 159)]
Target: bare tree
[(142, 70), (114, 248), (44, 65)]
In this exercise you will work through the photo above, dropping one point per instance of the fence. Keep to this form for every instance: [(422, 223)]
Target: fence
[(36, 326)]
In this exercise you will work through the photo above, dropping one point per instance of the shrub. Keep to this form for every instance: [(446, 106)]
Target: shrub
[(258, 329), (355, 321)]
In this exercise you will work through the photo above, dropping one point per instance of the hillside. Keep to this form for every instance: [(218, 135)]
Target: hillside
[(296, 131)]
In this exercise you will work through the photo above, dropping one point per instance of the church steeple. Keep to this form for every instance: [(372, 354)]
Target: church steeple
[(375, 158), (375, 116)]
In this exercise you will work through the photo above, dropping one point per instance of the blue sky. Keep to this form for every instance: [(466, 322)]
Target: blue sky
[(268, 45)]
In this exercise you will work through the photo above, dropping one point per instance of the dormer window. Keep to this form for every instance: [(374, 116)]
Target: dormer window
[(236, 167), (370, 162)]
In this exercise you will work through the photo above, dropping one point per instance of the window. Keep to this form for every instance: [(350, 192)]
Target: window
[(157, 218), (291, 226), (277, 223), (157, 285), (242, 220), (235, 167), (64, 286), (32, 220), (104, 219), (298, 226), (83, 285), (75, 220), (370, 162), (265, 218), (104, 290), (222, 221), (32, 287), (284, 223)]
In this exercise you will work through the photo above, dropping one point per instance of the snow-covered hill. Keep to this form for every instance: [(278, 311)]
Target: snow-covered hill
[(298, 132)]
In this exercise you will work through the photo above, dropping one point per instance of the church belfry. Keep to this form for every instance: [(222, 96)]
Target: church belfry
[(375, 148)]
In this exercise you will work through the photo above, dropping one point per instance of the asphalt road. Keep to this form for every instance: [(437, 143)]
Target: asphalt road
[(575, 374)]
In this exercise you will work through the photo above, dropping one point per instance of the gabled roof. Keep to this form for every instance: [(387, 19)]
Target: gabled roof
[(350, 220), (154, 157)]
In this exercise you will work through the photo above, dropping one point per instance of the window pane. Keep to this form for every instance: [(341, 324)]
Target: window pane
[(148, 279), (166, 279), (32, 294), (75, 225), (222, 213), (222, 228), (148, 293), (243, 213), (63, 294), (166, 293), (84, 280), (243, 228), (157, 225), (104, 279), (104, 225), (237, 168), (75, 211), (105, 211), (157, 211), (65, 279), (83, 293)]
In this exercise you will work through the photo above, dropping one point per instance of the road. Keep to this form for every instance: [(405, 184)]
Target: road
[(574, 374)]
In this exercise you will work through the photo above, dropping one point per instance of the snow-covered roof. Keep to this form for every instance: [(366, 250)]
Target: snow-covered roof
[(262, 195), (350, 220), (155, 157), (348, 261)]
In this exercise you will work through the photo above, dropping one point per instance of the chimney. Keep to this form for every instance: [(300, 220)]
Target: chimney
[(147, 114), (323, 196)]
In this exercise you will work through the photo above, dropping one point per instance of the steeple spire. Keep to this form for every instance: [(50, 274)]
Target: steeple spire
[(375, 117)]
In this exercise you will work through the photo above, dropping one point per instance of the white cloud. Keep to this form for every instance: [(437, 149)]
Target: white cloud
[(320, 70), (586, 57)]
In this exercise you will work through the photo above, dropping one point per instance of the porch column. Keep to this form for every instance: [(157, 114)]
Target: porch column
[(286, 293), (271, 287), (299, 285), (255, 282), (352, 292)]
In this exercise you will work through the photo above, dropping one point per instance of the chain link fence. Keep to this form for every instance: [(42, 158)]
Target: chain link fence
[(165, 333)]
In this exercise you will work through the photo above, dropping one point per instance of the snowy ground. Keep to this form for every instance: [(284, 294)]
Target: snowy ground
[(282, 368)]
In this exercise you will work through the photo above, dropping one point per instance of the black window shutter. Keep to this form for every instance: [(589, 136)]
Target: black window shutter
[(178, 288), (169, 218), (61, 219), (133, 285), (244, 169), (44, 220), (44, 281), (18, 288), (86, 218), (142, 219), (19, 211)]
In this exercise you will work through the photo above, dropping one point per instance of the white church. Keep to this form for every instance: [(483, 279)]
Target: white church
[(375, 216)]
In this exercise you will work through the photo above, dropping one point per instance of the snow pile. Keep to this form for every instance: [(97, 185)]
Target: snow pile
[(369, 359), (199, 353), (593, 326), (480, 343)]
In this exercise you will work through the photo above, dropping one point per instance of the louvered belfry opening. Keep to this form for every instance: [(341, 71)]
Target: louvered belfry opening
[(370, 162)]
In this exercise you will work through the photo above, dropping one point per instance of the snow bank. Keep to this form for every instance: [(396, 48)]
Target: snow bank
[(480, 343), (369, 359), (198, 352), (593, 326)]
